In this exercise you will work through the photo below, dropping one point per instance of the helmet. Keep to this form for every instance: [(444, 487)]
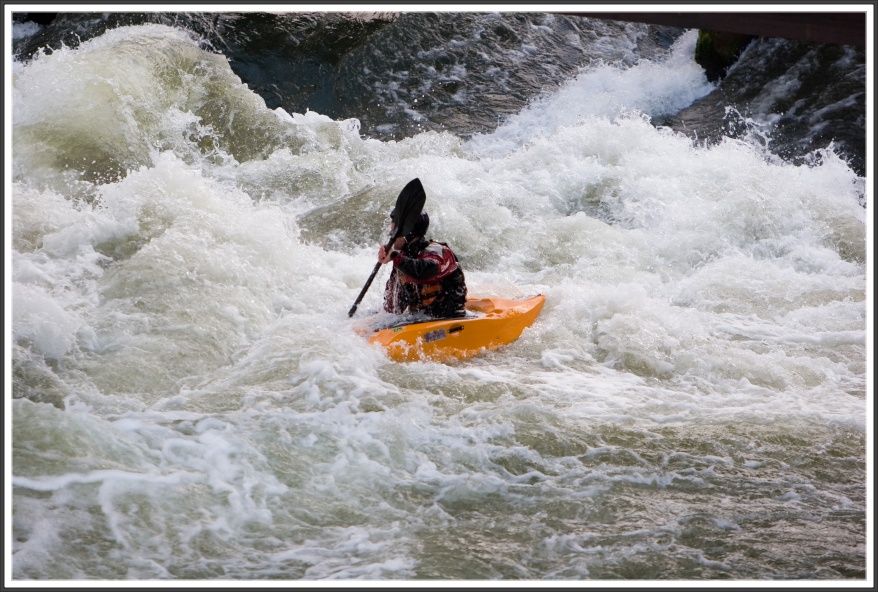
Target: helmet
[(421, 224)]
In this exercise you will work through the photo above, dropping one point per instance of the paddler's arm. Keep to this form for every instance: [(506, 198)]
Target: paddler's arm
[(416, 268)]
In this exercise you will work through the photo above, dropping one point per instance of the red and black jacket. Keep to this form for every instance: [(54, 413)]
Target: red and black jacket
[(426, 277)]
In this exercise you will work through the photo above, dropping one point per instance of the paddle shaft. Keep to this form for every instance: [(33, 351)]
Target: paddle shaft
[(372, 277)]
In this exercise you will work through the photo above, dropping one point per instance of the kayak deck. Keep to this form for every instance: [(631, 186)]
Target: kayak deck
[(489, 323)]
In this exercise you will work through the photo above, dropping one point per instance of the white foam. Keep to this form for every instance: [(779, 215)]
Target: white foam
[(196, 311)]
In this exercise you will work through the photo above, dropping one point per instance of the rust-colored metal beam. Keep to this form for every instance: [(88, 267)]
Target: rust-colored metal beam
[(838, 28)]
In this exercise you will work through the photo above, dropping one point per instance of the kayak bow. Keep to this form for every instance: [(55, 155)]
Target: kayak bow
[(489, 323)]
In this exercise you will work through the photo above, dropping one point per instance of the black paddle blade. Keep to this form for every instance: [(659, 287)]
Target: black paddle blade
[(409, 205)]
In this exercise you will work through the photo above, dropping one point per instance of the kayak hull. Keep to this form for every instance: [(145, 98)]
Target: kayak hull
[(490, 323)]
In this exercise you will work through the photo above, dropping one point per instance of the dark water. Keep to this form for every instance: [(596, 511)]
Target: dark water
[(804, 95), (401, 74)]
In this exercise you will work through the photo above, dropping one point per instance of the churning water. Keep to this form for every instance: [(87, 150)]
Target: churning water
[(189, 401)]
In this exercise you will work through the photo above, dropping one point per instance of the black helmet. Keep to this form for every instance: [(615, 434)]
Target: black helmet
[(421, 225)]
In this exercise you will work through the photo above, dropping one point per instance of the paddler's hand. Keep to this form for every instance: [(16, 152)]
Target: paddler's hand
[(384, 257)]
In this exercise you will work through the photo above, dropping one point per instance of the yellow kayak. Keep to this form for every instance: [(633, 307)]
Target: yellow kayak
[(489, 323)]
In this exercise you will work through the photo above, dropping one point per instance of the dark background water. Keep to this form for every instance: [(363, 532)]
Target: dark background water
[(401, 74)]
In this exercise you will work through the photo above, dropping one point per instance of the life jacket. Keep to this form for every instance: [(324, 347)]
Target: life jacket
[(443, 294)]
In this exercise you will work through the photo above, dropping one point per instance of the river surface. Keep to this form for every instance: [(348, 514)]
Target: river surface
[(193, 208)]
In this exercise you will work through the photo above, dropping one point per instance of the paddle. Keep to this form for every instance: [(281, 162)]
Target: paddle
[(408, 208)]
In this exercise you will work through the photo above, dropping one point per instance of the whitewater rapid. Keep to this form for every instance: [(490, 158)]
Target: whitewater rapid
[(188, 400)]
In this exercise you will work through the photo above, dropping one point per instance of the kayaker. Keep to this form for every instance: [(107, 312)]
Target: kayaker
[(426, 275)]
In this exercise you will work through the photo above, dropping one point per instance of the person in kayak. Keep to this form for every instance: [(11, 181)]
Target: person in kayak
[(426, 275)]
